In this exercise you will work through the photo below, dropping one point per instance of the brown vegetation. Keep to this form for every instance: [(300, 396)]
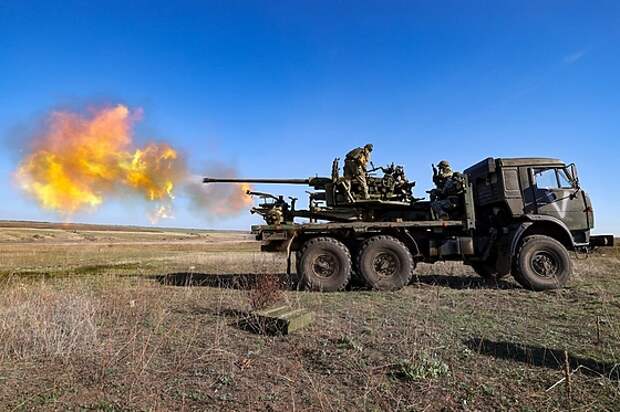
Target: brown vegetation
[(94, 326)]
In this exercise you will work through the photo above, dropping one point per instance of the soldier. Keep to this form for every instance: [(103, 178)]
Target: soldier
[(445, 172), (355, 167), (445, 198)]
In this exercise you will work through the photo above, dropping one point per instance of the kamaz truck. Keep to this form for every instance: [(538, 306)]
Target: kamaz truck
[(519, 216)]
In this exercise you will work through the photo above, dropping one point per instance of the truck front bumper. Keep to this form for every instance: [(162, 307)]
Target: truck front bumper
[(601, 240)]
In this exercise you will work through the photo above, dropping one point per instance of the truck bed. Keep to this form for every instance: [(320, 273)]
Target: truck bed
[(356, 226)]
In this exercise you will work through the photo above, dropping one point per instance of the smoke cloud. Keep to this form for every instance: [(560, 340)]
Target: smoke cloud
[(219, 200)]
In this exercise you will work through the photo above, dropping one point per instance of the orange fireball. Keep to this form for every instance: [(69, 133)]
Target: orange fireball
[(78, 161)]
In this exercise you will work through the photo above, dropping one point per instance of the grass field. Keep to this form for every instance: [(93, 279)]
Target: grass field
[(117, 318)]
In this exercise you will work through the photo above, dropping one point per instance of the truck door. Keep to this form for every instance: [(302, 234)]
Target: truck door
[(554, 194)]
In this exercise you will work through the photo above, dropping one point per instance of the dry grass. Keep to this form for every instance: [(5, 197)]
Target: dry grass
[(40, 321), (265, 291), (115, 336)]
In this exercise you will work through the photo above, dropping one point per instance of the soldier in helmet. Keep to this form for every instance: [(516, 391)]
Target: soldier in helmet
[(355, 164), (445, 198), (443, 174)]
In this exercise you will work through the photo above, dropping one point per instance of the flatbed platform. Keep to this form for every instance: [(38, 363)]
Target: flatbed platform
[(356, 226)]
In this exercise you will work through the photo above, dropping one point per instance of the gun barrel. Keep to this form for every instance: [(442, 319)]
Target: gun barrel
[(257, 181)]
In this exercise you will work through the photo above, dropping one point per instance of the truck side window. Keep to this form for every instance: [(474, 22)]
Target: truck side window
[(546, 178)]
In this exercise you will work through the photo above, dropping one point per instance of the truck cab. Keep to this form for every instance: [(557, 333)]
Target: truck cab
[(519, 198), (532, 190)]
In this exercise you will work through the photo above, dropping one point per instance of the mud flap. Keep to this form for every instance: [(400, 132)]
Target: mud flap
[(288, 255)]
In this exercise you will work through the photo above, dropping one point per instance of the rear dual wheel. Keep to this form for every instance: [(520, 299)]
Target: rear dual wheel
[(324, 265), (385, 263)]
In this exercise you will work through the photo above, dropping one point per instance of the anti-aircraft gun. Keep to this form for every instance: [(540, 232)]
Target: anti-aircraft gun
[(336, 198)]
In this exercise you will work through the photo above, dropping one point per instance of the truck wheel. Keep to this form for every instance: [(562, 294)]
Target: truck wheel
[(542, 263), (487, 270), (324, 265), (385, 263)]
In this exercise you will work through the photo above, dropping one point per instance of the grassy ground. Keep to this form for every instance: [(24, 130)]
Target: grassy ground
[(136, 320)]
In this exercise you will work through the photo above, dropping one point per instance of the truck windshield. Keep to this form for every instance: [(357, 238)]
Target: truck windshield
[(553, 178), (564, 180)]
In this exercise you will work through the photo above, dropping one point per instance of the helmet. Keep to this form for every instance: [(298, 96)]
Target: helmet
[(368, 147), (444, 164)]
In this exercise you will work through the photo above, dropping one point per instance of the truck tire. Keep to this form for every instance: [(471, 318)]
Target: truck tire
[(324, 265), (542, 263), (487, 270), (385, 263)]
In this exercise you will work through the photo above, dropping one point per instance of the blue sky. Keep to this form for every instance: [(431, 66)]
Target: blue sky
[(280, 88)]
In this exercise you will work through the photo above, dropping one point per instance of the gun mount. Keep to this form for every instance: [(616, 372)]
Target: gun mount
[(336, 198)]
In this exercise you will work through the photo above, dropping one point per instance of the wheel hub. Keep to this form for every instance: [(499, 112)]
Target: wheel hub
[(324, 265), (385, 264), (545, 264)]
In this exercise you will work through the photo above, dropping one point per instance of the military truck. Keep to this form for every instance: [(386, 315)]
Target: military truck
[(519, 216)]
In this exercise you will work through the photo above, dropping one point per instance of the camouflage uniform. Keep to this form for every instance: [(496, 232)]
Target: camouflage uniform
[(445, 198), (445, 172), (355, 167)]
